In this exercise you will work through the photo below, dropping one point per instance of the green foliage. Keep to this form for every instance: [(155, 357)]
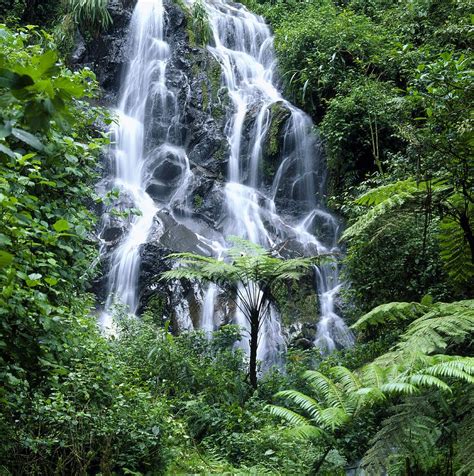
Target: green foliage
[(87, 415), (205, 384), (244, 263), (439, 329), (200, 23), (396, 259), (390, 86), (48, 170), (67, 405), (394, 311), (89, 14), (319, 48), (419, 428), (14, 12)]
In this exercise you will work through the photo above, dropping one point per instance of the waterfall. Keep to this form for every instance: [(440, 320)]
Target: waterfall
[(136, 167), (290, 209), (243, 45)]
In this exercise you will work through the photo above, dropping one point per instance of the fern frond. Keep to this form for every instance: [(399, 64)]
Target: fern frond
[(334, 417), (423, 380), (402, 388), (465, 453), (304, 432), (390, 197), (289, 415), (328, 389), (349, 381), (368, 396), (390, 204), (306, 403), (410, 432), (455, 252), (391, 312), (382, 193), (373, 375), (461, 368), (443, 325)]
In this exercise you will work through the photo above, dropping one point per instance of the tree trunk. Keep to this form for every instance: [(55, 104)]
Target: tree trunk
[(318, 463), (466, 227), (254, 321)]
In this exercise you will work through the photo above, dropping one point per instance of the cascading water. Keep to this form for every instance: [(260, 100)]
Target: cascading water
[(289, 210), (243, 45), (136, 167)]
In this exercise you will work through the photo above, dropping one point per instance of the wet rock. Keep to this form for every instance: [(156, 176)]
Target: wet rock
[(180, 239), (112, 234)]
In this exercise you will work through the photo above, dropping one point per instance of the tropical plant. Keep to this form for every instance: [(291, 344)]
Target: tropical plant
[(89, 14), (425, 197), (200, 24), (250, 275), (68, 404), (410, 369)]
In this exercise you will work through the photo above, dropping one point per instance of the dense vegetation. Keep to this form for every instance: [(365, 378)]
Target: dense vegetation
[(389, 85)]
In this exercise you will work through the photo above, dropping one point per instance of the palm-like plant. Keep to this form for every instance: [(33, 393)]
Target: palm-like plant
[(409, 370), (250, 275), (409, 196)]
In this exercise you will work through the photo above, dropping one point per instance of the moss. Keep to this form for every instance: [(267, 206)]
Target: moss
[(218, 94), (279, 114), (269, 170), (215, 77), (189, 21), (205, 95), (198, 201), (298, 303), (221, 153)]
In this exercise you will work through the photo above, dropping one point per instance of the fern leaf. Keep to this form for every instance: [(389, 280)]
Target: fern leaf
[(332, 395), (304, 432), (289, 415), (306, 403), (455, 252), (383, 208), (380, 194), (390, 312)]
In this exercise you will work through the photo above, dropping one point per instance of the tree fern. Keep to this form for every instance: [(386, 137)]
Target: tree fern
[(433, 328), (249, 275), (409, 433), (465, 445), (306, 403), (289, 415), (381, 209), (378, 195), (455, 212), (444, 325), (455, 251)]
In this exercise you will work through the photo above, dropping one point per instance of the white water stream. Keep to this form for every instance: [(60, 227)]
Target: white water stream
[(243, 45)]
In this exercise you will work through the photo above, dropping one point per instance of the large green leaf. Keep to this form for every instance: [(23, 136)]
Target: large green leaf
[(6, 258), (27, 138)]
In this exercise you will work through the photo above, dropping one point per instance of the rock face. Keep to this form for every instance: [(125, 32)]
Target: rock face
[(203, 106)]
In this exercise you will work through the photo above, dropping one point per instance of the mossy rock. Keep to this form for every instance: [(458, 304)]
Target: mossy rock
[(274, 140)]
